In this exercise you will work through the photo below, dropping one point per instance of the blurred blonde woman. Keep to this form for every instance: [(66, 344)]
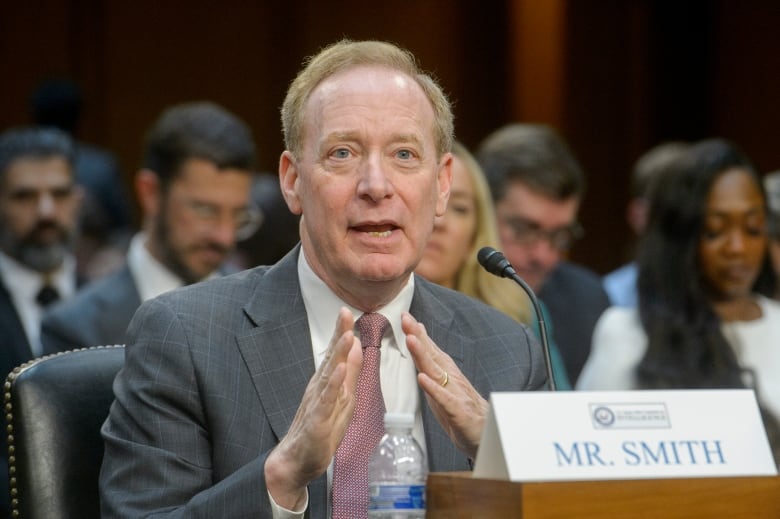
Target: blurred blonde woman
[(450, 257)]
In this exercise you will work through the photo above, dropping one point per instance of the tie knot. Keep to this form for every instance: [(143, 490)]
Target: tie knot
[(47, 295), (372, 327)]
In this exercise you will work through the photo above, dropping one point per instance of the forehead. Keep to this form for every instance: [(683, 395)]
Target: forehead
[(37, 173), (521, 200), (365, 98), (203, 178), (734, 189)]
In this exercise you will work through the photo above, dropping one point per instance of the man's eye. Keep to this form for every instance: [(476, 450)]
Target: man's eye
[(341, 153), (24, 196), (62, 193), (404, 154)]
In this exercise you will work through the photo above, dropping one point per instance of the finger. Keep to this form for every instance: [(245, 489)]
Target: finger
[(340, 341), (345, 355), (345, 323), (416, 330), (433, 387), (354, 361), (427, 356)]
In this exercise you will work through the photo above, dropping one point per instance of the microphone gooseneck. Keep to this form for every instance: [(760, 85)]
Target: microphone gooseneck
[(496, 263)]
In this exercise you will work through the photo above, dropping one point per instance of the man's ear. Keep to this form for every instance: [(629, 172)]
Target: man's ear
[(289, 182), (148, 191), (79, 194), (444, 181)]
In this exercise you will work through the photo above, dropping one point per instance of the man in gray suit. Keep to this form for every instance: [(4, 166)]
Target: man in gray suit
[(237, 392), (193, 191)]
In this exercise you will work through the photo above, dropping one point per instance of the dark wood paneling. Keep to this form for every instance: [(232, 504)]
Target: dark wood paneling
[(616, 76)]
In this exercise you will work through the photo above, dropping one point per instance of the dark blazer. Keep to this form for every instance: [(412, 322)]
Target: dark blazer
[(14, 351), (575, 299), (214, 374), (96, 315), (14, 346)]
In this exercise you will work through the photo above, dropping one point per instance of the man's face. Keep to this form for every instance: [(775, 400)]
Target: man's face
[(38, 212), (368, 180), (535, 231), (198, 218)]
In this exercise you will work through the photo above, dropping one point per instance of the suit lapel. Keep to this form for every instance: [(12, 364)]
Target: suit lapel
[(16, 348), (278, 353), (278, 349)]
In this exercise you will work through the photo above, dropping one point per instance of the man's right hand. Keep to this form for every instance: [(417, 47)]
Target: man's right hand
[(321, 420)]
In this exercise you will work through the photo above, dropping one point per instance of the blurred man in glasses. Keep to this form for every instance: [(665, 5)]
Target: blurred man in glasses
[(193, 191), (537, 186)]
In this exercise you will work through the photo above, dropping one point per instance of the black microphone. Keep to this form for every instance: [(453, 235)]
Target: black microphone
[(494, 262)]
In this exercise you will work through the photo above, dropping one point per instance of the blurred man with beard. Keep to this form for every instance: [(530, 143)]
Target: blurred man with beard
[(39, 204), (193, 191)]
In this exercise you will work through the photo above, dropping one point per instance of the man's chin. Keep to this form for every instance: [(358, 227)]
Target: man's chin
[(43, 258), (534, 280), (379, 272)]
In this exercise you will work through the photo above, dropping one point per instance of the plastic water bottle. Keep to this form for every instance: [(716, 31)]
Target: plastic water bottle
[(397, 472)]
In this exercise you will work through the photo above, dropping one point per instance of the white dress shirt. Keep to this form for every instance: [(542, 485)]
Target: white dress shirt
[(397, 372), (152, 278), (23, 285)]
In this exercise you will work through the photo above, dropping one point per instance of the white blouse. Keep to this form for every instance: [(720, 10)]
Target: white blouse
[(619, 343)]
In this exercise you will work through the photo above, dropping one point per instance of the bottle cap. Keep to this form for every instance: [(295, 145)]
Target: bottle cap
[(399, 420)]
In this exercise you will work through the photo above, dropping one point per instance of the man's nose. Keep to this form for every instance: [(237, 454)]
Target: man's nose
[(46, 204), (544, 252), (223, 231), (374, 182)]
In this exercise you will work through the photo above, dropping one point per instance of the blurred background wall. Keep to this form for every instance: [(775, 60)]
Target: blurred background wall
[(614, 76)]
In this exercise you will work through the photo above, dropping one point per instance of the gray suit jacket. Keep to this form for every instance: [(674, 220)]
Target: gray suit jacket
[(96, 315), (215, 372)]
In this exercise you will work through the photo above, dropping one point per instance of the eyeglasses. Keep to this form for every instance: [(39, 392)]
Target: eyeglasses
[(245, 221), (526, 232)]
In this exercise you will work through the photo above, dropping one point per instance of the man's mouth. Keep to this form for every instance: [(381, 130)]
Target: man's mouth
[(378, 231)]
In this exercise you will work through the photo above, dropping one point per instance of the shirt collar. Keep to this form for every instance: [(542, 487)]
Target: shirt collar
[(26, 282), (322, 306), (152, 278)]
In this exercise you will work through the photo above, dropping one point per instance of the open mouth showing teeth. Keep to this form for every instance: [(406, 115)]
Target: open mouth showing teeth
[(376, 231)]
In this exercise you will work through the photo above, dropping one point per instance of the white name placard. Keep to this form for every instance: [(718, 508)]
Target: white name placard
[(585, 435)]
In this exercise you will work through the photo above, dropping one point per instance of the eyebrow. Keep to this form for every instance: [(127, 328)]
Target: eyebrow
[(756, 209), (355, 135)]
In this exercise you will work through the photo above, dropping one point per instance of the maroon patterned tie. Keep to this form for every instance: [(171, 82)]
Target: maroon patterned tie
[(350, 467)]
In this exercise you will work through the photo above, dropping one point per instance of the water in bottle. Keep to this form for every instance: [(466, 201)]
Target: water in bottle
[(397, 472)]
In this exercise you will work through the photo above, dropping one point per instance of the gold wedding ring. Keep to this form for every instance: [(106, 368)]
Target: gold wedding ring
[(445, 379)]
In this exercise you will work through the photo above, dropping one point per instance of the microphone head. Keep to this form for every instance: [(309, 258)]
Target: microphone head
[(494, 262)]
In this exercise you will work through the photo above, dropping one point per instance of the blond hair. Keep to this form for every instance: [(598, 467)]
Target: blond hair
[(471, 279), (346, 54)]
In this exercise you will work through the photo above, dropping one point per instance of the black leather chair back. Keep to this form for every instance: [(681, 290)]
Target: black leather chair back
[(55, 407)]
